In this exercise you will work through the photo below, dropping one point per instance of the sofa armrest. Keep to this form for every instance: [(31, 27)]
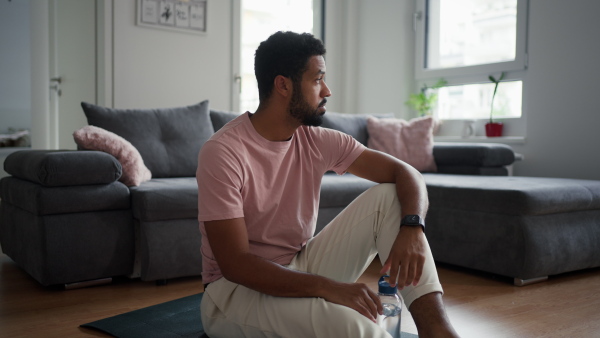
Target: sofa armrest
[(473, 158), (56, 168)]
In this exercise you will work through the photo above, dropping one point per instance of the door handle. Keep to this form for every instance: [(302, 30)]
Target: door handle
[(238, 79), (55, 84)]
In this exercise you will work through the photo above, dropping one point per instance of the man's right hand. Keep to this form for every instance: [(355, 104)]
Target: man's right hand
[(356, 296)]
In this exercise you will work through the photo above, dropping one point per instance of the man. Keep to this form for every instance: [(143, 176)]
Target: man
[(259, 182)]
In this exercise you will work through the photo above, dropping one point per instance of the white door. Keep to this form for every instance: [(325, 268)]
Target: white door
[(254, 21), (72, 49)]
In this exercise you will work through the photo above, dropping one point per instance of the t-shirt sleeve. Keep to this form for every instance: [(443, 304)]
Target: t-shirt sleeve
[(219, 183), (338, 149)]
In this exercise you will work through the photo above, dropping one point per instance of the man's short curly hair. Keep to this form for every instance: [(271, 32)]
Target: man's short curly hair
[(286, 54)]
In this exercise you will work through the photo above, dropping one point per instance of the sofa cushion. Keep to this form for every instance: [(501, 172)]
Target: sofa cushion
[(41, 200), (220, 118), (472, 170), (512, 195), (410, 141), (55, 168), (94, 138), (165, 198), (170, 249), (473, 154), (341, 190), (168, 139), (354, 125)]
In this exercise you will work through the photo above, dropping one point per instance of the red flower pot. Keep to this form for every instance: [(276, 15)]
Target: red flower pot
[(493, 129)]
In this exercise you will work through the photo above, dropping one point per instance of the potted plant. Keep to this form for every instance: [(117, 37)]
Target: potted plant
[(424, 101), (494, 129)]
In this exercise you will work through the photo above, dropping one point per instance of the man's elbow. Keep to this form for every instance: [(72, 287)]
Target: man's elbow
[(234, 269)]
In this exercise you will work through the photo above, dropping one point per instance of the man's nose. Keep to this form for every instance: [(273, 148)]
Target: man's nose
[(326, 91)]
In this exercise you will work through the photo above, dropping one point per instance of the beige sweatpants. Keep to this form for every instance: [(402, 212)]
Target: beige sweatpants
[(341, 251)]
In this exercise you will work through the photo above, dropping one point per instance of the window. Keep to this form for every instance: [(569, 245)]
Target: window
[(260, 19), (474, 101), (466, 41)]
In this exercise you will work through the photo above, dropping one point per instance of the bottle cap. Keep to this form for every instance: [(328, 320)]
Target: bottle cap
[(385, 287)]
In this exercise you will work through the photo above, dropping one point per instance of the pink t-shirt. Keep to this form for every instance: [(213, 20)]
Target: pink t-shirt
[(274, 186)]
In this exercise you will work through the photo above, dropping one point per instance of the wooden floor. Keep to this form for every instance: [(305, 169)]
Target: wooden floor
[(479, 304)]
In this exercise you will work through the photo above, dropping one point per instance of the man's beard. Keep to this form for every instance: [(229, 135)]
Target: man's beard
[(303, 112)]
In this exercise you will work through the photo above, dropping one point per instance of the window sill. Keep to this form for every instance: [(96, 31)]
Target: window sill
[(481, 139)]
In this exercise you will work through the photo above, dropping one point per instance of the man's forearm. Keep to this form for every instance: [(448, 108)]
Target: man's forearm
[(412, 192), (273, 279)]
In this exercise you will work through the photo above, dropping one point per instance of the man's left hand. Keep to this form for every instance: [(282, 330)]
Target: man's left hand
[(407, 257)]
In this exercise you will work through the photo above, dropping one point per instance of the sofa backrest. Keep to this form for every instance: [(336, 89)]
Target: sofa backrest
[(354, 125), (168, 139)]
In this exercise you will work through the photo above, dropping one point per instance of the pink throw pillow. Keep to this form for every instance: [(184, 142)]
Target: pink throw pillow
[(410, 141), (94, 138)]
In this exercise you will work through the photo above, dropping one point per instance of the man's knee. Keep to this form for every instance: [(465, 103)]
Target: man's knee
[(384, 188), (383, 191)]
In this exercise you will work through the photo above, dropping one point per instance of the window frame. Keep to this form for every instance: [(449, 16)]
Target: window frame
[(516, 70), (475, 73)]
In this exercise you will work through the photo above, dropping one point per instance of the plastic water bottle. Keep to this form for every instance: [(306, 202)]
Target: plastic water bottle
[(392, 308)]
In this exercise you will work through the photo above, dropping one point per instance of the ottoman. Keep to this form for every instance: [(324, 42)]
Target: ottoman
[(526, 228)]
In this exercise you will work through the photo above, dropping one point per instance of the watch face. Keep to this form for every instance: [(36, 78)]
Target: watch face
[(412, 220)]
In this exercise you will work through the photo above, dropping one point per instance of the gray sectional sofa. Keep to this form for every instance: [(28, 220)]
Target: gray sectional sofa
[(65, 218)]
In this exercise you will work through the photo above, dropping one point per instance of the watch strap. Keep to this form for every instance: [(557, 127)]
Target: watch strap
[(413, 221)]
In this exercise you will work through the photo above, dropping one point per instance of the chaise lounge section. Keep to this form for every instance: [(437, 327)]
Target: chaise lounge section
[(527, 228)]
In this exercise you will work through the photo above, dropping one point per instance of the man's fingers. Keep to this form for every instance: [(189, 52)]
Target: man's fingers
[(394, 275), (411, 273), (364, 300), (419, 272), (376, 302), (367, 308), (402, 275), (386, 267)]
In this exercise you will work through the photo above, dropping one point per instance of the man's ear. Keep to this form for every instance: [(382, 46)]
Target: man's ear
[(283, 86)]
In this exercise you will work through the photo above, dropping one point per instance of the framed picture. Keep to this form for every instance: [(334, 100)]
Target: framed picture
[(187, 16)]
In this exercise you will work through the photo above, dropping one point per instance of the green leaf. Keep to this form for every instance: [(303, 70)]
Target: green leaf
[(439, 84)]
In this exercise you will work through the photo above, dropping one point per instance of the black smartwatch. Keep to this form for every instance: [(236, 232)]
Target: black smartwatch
[(413, 221)]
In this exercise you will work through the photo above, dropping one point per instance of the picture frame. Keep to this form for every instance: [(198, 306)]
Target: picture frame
[(187, 16)]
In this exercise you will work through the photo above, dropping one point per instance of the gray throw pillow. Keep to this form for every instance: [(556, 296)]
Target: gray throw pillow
[(168, 139), (354, 125), (220, 118)]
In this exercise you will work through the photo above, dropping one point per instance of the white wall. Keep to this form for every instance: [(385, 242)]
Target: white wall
[(15, 63), (370, 56), (385, 57), (158, 68), (562, 84)]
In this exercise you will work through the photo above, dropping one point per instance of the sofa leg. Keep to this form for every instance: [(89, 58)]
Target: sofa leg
[(523, 282), (95, 282), (161, 282)]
